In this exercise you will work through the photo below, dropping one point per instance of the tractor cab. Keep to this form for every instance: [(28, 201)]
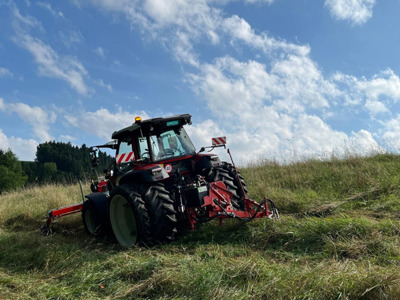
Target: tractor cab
[(154, 140), (154, 149)]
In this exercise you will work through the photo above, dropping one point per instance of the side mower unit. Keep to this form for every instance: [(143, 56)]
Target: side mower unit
[(216, 200)]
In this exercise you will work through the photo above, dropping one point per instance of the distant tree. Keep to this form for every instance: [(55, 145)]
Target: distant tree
[(62, 162), (49, 172), (11, 174)]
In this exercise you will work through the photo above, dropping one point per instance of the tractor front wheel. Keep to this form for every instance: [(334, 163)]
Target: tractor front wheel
[(129, 218), (90, 218)]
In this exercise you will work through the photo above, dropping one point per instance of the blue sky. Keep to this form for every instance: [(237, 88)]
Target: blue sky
[(282, 79)]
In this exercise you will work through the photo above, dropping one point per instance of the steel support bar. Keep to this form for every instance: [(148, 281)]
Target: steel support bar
[(65, 210)]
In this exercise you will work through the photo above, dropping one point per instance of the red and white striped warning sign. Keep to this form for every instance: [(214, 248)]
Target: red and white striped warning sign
[(124, 157), (219, 141)]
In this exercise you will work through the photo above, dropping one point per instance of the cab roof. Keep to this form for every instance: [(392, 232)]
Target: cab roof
[(156, 124)]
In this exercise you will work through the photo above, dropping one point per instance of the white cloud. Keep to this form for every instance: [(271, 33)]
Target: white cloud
[(49, 62), (101, 83), (4, 73), (70, 38), (264, 113), (102, 122), (374, 94), (66, 138), (180, 25), (52, 65), (391, 134), (202, 133), (4, 145), (312, 135), (375, 107), (300, 80), (23, 23), (48, 7), (24, 149), (239, 30), (357, 12), (268, 106), (100, 52), (384, 84), (36, 117), (363, 142), (292, 85), (263, 1)]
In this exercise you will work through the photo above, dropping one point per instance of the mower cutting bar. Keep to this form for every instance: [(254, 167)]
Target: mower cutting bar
[(218, 204), (65, 210), (60, 212)]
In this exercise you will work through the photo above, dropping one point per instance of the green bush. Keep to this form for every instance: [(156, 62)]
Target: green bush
[(11, 174)]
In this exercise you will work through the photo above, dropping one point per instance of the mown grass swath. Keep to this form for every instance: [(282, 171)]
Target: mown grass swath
[(338, 238)]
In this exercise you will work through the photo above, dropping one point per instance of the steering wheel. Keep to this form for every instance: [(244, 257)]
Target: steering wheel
[(169, 152), (146, 154)]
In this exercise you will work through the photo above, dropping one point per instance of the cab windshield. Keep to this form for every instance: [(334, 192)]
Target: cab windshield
[(170, 144)]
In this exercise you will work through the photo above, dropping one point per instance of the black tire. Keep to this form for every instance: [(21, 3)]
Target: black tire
[(238, 182), (129, 218), (161, 211), (91, 219), (226, 173)]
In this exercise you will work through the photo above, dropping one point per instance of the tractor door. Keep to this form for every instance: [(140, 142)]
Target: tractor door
[(125, 154), (143, 148)]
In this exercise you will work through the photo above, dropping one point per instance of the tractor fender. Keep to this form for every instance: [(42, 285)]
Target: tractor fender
[(204, 164), (101, 202), (152, 173)]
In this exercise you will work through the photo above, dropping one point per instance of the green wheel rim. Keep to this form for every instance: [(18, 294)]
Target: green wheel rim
[(89, 220), (123, 221)]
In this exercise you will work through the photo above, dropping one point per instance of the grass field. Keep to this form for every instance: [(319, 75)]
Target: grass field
[(338, 238)]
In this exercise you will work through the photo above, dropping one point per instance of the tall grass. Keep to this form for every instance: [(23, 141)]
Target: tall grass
[(338, 238), (312, 186), (29, 205)]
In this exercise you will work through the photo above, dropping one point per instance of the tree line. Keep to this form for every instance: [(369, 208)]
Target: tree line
[(55, 162)]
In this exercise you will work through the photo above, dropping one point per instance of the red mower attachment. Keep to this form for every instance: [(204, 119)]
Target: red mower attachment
[(57, 213), (218, 205), (218, 202)]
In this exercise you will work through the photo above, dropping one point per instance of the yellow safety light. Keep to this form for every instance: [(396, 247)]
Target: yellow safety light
[(138, 119)]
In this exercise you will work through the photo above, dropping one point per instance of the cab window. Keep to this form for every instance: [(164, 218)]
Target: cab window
[(170, 144), (125, 152), (143, 148)]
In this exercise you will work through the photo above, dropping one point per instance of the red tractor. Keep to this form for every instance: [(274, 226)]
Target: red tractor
[(158, 186)]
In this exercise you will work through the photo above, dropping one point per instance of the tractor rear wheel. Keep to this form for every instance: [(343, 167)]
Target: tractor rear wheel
[(238, 181), (226, 173), (161, 211), (90, 218), (129, 218)]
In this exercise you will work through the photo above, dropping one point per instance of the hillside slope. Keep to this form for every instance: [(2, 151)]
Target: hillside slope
[(338, 238)]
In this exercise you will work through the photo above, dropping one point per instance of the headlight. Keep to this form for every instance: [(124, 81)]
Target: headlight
[(214, 158), (155, 171)]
